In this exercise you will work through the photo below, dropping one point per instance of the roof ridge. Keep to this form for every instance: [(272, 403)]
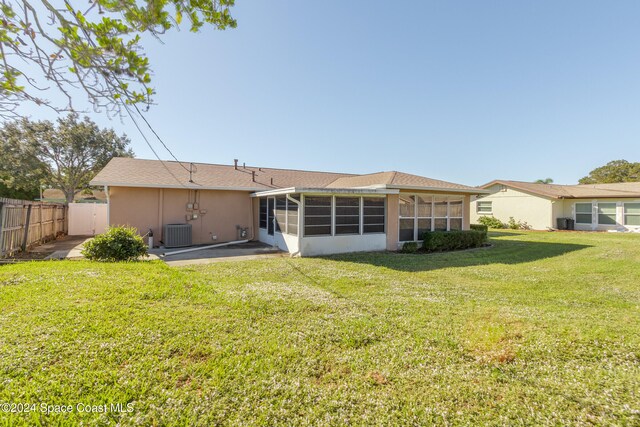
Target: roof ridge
[(231, 166), (562, 190)]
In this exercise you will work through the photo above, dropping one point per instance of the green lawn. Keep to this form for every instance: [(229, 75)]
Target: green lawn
[(540, 329)]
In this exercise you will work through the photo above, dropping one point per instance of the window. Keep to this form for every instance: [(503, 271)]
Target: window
[(263, 213), (632, 214), (584, 213), (455, 214), (421, 213), (607, 213), (281, 214), (317, 216), (440, 209), (292, 216), (424, 212), (347, 215), (484, 208), (407, 215), (373, 214)]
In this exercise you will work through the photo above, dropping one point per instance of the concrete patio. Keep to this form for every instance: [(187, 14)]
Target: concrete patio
[(239, 252)]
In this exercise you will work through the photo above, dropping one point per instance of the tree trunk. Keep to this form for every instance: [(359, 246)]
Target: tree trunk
[(69, 195)]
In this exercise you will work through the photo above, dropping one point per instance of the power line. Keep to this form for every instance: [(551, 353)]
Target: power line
[(126, 107), (158, 136)]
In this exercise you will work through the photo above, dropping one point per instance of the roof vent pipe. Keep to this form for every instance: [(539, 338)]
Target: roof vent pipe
[(253, 176), (271, 180), (235, 164), (244, 165)]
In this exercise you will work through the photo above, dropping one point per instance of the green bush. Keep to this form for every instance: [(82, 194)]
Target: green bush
[(491, 222), (117, 244), (479, 227), (439, 241), (518, 225), (409, 248)]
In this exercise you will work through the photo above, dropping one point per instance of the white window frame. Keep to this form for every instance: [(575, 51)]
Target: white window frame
[(449, 217), (360, 224), (304, 217), (576, 213), (384, 224), (479, 212), (415, 212), (625, 214), (418, 218), (449, 199), (615, 213)]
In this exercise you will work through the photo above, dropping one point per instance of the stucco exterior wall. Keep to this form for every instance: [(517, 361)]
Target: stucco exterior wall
[(392, 227), (219, 212), (325, 245), (506, 202), (466, 219)]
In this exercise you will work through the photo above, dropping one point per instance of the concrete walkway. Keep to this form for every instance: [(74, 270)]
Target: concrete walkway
[(240, 252), (68, 247)]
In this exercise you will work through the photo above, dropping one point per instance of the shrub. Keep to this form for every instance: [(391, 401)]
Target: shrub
[(438, 241), (518, 225), (409, 247), (117, 244), (479, 227), (491, 222)]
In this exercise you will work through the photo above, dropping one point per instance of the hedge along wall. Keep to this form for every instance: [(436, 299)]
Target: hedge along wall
[(440, 241)]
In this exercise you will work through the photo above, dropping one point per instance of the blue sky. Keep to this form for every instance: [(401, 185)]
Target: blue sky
[(465, 91)]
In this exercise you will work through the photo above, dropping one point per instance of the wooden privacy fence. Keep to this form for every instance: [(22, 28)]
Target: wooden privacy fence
[(24, 224)]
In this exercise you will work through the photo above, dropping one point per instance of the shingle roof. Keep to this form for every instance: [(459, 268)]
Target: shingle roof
[(556, 191), (123, 171), (129, 172), (397, 180)]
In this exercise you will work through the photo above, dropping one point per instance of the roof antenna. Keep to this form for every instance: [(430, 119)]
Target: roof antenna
[(192, 169)]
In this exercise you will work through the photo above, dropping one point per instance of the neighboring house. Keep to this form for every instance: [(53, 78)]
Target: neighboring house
[(592, 206), (302, 212), (90, 196)]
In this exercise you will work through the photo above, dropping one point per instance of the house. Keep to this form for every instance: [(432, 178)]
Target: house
[(601, 207), (302, 212)]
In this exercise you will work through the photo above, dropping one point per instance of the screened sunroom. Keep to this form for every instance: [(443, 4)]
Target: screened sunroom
[(321, 221)]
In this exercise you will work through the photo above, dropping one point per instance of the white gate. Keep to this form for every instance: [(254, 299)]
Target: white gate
[(87, 219)]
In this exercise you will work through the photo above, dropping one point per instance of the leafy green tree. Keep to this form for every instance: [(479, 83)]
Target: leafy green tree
[(65, 155), (94, 46), (23, 194), (614, 171), (544, 181)]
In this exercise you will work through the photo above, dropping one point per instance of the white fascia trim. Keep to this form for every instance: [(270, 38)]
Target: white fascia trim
[(277, 192), (305, 190), (440, 189), (180, 187)]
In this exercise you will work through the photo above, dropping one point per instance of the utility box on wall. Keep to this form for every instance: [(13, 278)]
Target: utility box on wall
[(176, 235)]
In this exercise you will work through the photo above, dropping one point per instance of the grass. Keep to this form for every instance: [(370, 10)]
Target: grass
[(540, 329)]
